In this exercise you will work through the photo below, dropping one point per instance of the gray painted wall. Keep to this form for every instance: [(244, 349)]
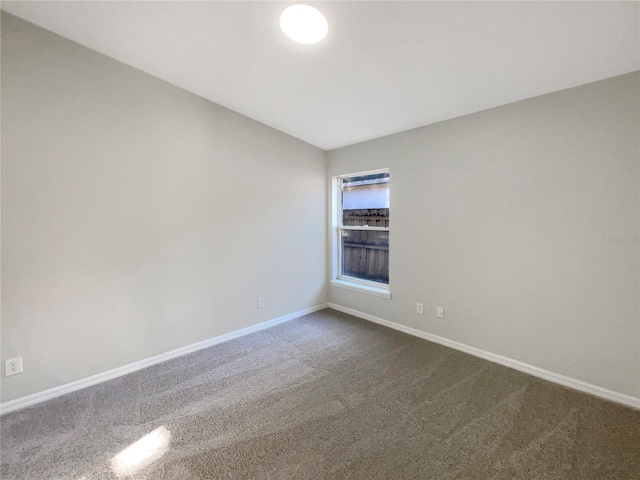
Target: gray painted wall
[(138, 218), (500, 216)]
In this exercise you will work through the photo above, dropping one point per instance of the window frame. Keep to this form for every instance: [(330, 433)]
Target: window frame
[(348, 282)]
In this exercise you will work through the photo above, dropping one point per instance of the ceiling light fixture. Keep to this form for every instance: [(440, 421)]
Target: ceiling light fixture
[(303, 24)]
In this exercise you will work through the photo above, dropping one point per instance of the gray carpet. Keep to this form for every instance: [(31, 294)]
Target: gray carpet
[(323, 396)]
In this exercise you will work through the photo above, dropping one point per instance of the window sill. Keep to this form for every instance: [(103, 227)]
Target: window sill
[(358, 287)]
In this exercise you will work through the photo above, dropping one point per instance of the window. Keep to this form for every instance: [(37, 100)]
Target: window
[(361, 243)]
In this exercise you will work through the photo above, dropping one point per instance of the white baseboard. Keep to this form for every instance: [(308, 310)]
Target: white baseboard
[(600, 392), (34, 398)]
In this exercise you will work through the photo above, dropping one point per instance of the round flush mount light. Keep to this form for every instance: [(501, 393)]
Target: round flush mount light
[(303, 24)]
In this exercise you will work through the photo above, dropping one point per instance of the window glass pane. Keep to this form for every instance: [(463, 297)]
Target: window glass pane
[(365, 200), (374, 217), (365, 254)]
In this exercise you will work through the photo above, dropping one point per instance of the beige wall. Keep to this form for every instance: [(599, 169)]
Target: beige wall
[(138, 218), (500, 216)]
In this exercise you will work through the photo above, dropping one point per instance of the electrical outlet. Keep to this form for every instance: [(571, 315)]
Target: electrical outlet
[(261, 303), (420, 308), (13, 366), (440, 312)]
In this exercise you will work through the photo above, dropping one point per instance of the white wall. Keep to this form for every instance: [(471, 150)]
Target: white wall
[(500, 217), (138, 218)]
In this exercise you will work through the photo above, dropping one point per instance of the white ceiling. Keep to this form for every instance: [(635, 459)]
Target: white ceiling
[(384, 67)]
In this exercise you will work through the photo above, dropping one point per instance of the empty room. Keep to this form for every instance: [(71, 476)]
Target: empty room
[(346, 239)]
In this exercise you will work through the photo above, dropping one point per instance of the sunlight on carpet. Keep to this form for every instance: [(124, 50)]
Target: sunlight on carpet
[(142, 453)]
